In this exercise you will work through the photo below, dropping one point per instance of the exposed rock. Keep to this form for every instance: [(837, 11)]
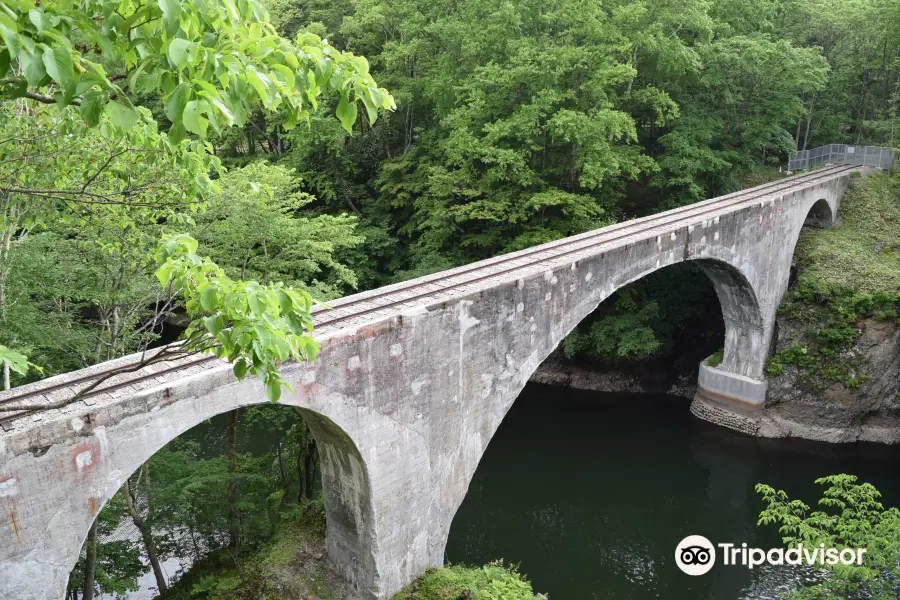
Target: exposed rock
[(648, 379), (835, 413)]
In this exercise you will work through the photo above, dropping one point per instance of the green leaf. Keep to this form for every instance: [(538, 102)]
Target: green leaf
[(92, 107), (176, 102), (260, 83), (214, 324), (171, 14), (9, 32), (193, 118), (178, 52), (33, 68), (257, 305), (121, 115), (286, 73), (273, 390), (58, 62), (346, 112), (240, 368), (209, 298), (18, 363), (41, 20)]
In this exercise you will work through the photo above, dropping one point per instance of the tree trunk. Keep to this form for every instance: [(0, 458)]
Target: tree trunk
[(90, 562), (809, 114), (284, 482), (147, 536), (309, 471), (234, 533)]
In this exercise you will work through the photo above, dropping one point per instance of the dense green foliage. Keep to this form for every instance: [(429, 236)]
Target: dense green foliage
[(669, 312), (519, 123), (182, 495), (493, 581), (848, 273), (851, 516)]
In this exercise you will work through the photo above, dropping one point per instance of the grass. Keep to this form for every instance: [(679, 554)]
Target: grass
[(848, 273), (493, 581), (863, 253)]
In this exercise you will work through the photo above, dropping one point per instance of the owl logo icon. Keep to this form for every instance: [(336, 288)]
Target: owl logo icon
[(695, 555)]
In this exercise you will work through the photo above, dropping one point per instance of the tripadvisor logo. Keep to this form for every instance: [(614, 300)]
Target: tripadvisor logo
[(696, 555)]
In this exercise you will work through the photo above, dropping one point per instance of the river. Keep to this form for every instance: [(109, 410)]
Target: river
[(590, 493)]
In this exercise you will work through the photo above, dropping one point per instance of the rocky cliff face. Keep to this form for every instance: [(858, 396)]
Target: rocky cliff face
[(835, 413)]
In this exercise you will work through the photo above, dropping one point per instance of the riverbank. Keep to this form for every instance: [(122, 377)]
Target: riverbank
[(557, 372), (292, 566)]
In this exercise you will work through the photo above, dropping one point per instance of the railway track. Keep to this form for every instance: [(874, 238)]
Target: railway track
[(133, 375)]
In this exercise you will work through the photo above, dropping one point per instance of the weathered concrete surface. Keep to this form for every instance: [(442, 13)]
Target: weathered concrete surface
[(403, 405), (715, 383)]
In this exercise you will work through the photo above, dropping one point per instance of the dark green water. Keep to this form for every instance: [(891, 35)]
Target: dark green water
[(590, 493)]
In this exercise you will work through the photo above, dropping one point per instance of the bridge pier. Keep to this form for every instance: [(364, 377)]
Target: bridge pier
[(730, 389)]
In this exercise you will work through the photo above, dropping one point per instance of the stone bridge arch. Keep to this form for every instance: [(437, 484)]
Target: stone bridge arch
[(99, 454), (485, 318), (821, 215)]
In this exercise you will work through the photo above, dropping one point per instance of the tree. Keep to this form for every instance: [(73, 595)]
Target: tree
[(852, 516), (111, 567), (211, 65), (257, 229)]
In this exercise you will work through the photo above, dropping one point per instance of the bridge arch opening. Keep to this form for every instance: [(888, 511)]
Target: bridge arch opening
[(273, 482), (719, 311), (820, 215), (664, 321)]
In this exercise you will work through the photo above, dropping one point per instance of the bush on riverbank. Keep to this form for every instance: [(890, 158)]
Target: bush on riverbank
[(847, 274), (493, 581)]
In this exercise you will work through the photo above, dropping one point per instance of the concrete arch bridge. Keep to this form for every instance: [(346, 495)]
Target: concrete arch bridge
[(412, 382)]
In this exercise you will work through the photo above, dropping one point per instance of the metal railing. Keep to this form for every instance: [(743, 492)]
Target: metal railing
[(878, 157)]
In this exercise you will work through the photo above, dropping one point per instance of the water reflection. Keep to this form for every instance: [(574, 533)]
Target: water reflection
[(590, 493)]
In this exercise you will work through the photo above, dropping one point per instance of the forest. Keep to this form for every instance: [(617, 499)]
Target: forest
[(208, 170)]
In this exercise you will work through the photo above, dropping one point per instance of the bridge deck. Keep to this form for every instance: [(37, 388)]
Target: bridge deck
[(376, 305)]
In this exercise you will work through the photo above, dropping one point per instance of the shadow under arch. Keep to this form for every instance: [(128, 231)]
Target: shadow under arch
[(349, 508), (741, 310), (820, 215)]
